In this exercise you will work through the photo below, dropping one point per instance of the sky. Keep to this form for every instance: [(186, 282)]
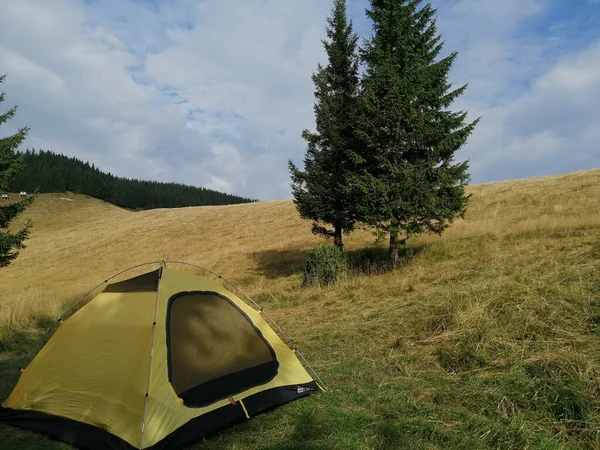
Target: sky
[(216, 93)]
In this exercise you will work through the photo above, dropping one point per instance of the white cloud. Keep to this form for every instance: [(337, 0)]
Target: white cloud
[(552, 126), (29, 72), (73, 84), (240, 74), (219, 184), (536, 98), (227, 157), (248, 57), (216, 93)]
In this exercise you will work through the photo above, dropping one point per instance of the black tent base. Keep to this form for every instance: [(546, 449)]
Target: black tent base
[(89, 437)]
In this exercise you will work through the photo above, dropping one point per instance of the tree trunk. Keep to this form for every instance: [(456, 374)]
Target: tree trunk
[(337, 237), (397, 245), (393, 251)]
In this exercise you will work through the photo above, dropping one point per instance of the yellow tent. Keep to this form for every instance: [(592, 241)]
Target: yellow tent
[(156, 361)]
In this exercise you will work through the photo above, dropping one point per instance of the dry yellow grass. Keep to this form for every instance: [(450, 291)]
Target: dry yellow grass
[(76, 244), (457, 339)]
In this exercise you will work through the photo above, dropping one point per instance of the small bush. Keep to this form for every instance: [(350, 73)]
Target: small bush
[(326, 264)]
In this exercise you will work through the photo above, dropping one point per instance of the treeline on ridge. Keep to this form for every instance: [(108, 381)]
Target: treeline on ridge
[(47, 172)]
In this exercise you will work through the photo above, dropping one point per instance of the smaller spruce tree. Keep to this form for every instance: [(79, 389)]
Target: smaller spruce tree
[(10, 165), (322, 191)]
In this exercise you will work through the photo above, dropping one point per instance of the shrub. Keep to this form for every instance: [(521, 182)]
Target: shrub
[(325, 265)]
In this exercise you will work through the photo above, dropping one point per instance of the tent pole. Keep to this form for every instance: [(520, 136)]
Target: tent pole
[(149, 379), (105, 281)]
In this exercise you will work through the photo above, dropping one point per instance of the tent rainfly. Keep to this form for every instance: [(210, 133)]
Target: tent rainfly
[(157, 361)]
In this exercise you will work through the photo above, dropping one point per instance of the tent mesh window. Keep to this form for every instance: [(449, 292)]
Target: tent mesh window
[(214, 349)]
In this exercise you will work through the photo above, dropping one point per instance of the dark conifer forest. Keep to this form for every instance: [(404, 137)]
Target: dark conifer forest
[(47, 172)]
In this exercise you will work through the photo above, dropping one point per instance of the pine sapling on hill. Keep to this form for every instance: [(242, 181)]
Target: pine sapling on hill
[(410, 183), (10, 165), (322, 192)]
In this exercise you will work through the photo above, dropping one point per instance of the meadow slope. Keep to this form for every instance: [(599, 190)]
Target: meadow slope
[(489, 338)]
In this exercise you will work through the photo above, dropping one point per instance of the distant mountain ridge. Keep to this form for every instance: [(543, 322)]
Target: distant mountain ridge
[(50, 172)]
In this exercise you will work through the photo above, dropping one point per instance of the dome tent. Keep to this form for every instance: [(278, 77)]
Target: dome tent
[(156, 361)]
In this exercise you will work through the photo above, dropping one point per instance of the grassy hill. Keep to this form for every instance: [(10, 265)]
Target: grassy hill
[(490, 338)]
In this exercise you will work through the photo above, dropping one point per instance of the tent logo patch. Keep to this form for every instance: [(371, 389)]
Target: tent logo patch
[(302, 389)]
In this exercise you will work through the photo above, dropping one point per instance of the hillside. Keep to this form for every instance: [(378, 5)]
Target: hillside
[(490, 338), (49, 172)]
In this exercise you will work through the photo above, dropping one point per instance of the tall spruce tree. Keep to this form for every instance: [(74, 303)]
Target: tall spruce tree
[(10, 165), (322, 192), (410, 183)]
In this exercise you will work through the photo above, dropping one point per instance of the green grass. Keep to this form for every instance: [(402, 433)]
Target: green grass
[(494, 356)]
